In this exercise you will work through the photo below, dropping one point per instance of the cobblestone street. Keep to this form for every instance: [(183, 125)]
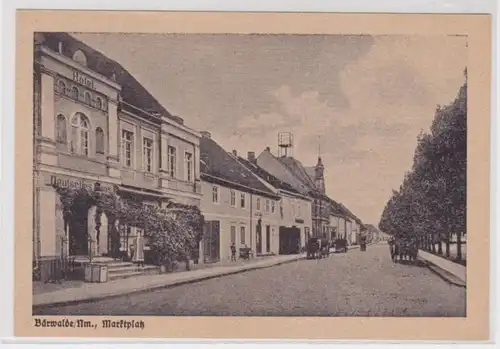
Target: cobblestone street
[(352, 284)]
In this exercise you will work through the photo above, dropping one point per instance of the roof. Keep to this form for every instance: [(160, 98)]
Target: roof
[(298, 170), (352, 215), (132, 91), (337, 208), (310, 171), (274, 181), (218, 164), (371, 227)]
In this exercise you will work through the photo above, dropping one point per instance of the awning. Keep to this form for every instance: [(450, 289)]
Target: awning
[(142, 191)]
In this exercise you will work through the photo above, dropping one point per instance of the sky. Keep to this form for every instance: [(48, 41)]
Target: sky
[(360, 101)]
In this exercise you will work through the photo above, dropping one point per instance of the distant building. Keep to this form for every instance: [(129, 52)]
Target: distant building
[(295, 209), (238, 208), (291, 171)]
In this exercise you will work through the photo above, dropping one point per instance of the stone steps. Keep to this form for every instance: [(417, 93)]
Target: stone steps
[(120, 269)]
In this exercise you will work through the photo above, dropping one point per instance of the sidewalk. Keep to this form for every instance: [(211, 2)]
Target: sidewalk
[(452, 272), (88, 292)]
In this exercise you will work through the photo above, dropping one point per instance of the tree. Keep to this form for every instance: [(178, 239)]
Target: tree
[(431, 202), (173, 232)]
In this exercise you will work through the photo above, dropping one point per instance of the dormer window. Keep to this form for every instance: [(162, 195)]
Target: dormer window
[(80, 57)]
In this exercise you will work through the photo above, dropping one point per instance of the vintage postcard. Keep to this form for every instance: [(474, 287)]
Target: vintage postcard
[(252, 175)]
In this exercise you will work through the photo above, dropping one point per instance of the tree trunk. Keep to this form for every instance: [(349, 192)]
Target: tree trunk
[(459, 246), (440, 245), (433, 243), (448, 245)]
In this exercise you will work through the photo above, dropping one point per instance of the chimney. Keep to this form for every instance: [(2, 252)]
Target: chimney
[(60, 47), (206, 134), (251, 156), (235, 153), (268, 149)]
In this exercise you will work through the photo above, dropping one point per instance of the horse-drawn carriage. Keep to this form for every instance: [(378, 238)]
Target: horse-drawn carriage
[(362, 243), (340, 245), (403, 249), (317, 248)]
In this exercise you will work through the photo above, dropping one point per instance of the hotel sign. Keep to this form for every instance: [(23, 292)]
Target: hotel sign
[(82, 79), (76, 183)]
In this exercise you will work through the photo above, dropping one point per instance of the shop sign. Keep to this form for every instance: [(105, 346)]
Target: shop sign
[(68, 182)]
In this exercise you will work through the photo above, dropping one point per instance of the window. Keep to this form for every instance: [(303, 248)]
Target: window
[(61, 135), (273, 206), (242, 200), (88, 98), (267, 205), (233, 198), (188, 162), (298, 210), (127, 147), (125, 234), (258, 204), (147, 154), (61, 87), (242, 235), (98, 103), (172, 158), (80, 57), (215, 194), (80, 134), (74, 93), (233, 235), (99, 141)]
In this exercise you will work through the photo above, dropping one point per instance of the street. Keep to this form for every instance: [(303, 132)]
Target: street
[(352, 284)]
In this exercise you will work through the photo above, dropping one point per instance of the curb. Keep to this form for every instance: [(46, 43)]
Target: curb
[(444, 274), (37, 307)]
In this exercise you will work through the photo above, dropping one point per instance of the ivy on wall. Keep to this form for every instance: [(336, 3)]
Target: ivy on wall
[(173, 232)]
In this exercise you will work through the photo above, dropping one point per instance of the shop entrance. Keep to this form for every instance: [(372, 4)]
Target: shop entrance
[(78, 230)]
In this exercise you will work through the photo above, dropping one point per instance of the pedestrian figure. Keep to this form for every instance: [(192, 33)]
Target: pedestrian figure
[(139, 250), (233, 252), (132, 252)]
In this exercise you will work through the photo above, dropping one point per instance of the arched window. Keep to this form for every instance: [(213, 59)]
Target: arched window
[(98, 103), (74, 92), (99, 141), (80, 57), (88, 98), (80, 134), (61, 135), (61, 87)]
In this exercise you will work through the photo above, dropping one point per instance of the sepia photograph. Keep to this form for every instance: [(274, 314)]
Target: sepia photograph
[(268, 175), (238, 174)]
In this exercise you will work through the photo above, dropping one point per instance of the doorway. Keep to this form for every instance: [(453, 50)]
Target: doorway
[(211, 242), (268, 238), (78, 236), (258, 240)]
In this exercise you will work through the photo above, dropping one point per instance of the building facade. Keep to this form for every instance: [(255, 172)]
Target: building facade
[(295, 209), (238, 208), (291, 171), (95, 126)]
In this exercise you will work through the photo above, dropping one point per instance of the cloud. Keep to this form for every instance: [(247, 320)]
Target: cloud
[(262, 121), (362, 99)]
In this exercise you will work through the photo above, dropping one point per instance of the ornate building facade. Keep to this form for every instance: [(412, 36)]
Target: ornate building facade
[(95, 125)]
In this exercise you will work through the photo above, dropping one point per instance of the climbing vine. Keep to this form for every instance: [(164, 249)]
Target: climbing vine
[(173, 232)]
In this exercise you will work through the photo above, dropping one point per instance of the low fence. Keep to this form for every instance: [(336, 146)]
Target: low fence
[(57, 270)]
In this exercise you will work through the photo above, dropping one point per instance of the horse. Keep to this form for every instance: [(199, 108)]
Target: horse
[(314, 249), (403, 250)]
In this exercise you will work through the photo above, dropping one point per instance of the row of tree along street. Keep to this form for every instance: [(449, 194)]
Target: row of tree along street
[(430, 205)]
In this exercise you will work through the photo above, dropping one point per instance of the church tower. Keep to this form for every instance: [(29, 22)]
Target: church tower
[(319, 177)]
